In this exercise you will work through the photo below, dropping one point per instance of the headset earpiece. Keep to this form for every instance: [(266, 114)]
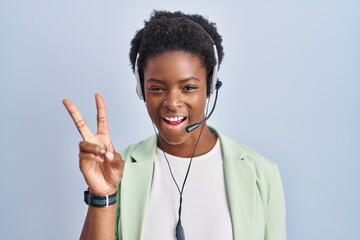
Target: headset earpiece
[(214, 74), (138, 82)]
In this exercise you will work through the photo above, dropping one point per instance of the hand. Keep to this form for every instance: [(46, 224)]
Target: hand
[(101, 166)]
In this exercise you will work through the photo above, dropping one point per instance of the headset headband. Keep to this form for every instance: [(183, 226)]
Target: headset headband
[(214, 77)]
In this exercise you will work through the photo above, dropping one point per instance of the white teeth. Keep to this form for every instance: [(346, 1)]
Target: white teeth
[(174, 119)]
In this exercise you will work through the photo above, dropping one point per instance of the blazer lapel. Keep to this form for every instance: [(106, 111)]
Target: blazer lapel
[(240, 179), (135, 189)]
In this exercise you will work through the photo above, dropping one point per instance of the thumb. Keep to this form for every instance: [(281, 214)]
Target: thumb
[(115, 160), (110, 156)]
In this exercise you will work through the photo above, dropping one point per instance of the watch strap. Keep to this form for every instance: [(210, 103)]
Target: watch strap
[(99, 201)]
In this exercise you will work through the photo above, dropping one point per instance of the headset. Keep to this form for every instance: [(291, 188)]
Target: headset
[(213, 76), (213, 85)]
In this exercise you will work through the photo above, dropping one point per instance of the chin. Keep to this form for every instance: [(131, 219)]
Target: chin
[(173, 139)]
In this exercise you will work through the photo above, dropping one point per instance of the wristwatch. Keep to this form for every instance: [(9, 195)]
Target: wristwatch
[(99, 201)]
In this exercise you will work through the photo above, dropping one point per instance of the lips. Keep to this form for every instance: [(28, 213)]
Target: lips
[(175, 120)]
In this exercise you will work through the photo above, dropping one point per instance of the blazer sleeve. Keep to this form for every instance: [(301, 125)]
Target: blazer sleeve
[(275, 228)]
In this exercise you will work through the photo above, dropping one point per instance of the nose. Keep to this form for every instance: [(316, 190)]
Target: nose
[(173, 100)]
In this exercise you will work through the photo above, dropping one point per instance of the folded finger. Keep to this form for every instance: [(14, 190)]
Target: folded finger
[(88, 158), (88, 147)]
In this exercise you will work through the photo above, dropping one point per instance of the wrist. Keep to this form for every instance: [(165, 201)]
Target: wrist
[(109, 191)]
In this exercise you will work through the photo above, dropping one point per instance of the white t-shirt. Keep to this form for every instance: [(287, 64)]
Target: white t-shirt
[(205, 210)]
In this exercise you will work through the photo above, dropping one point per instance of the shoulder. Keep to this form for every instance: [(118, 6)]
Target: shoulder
[(233, 151), (140, 151), (261, 163), (242, 162)]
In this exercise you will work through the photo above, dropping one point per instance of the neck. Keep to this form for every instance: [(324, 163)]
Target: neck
[(186, 149)]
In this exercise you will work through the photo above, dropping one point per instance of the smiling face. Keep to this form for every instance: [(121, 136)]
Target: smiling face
[(175, 93)]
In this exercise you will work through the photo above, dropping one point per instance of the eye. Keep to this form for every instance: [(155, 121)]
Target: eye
[(190, 88), (155, 89)]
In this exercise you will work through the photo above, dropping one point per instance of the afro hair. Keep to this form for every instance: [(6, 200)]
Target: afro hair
[(176, 31)]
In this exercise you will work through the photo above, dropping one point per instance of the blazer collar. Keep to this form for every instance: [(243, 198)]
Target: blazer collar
[(144, 149)]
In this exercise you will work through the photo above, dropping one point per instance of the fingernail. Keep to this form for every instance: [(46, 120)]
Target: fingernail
[(109, 155)]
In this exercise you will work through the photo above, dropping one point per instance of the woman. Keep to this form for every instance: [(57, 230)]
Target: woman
[(188, 180)]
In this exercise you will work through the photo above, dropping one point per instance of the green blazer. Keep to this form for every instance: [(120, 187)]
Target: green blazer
[(253, 184)]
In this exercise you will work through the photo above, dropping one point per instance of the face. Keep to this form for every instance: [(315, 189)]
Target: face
[(175, 93)]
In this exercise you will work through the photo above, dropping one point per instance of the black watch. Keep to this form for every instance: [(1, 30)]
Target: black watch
[(99, 201)]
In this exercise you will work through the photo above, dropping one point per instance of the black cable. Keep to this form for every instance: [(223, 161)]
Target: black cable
[(180, 234)]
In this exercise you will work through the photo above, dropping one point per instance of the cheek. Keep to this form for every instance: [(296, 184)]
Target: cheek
[(200, 103), (152, 110)]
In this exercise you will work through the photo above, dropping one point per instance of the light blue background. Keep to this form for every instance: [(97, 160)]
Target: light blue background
[(291, 91)]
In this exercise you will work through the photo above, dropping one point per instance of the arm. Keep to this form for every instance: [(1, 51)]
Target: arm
[(102, 169), (99, 223)]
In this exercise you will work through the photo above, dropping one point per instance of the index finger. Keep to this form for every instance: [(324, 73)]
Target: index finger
[(79, 121)]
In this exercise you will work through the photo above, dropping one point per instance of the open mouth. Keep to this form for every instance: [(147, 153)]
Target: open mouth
[(174, 120)]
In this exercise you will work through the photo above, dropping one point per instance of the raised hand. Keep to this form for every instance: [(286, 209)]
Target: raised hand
[(101, 166)]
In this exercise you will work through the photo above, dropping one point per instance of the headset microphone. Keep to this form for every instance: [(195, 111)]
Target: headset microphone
[(194, 126)]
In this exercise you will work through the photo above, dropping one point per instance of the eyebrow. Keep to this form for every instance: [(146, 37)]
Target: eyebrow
[(181, 81)]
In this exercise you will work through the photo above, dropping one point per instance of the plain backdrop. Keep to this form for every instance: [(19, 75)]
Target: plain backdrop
[(291, 91)]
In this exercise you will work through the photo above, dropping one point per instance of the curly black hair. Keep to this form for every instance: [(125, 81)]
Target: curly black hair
[(172, 31)]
